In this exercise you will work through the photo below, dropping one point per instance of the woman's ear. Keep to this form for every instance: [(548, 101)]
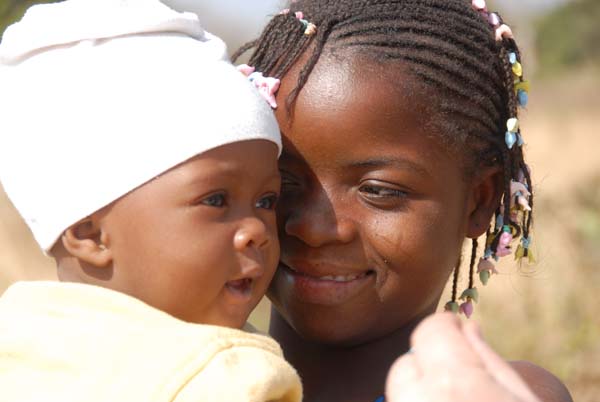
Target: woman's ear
[(484, 199), (86, 241)]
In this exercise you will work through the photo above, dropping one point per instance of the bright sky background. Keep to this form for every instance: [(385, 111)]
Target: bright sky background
[(238, 21)]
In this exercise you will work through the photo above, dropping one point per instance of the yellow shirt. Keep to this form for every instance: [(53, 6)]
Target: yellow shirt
[(68, 342)]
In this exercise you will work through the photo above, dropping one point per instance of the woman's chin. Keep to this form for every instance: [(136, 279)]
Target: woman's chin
[(325, 325)]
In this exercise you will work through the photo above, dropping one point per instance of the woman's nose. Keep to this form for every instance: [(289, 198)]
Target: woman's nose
[(315, 222), (252, 233)]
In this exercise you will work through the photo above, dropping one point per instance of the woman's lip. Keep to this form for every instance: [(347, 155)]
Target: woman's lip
[(324, 290), (325, 272)]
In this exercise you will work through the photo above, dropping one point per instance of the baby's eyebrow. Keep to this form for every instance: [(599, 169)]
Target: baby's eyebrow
[(389, 161)]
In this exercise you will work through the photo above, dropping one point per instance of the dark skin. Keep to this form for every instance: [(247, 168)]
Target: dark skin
[(373, 215)]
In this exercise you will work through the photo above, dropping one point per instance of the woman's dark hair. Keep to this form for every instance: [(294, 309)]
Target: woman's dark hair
[(446, 44)]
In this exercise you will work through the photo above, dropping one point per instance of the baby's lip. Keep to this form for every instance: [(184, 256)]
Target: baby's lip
[(239, 283), (251, 271)]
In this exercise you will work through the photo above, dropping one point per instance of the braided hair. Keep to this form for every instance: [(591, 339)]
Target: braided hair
[(447, 45)]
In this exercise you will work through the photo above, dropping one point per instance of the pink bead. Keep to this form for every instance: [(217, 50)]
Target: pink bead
[(503, 248), (486, 265), (503, 32), (467, 308), (245, 69), (505, 239), (493, 19), (299, 15), (516, 186), (479, 4), (268, 88)]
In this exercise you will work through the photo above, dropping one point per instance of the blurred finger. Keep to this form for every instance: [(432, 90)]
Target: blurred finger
[(404, 374), (440, 345)]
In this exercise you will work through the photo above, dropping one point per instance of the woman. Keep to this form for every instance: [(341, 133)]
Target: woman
[(393, 115)]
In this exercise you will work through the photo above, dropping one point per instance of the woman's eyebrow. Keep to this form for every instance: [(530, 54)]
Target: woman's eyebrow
[(389, 161)]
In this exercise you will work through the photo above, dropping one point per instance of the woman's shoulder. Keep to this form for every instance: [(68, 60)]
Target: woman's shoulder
[(543, 383)]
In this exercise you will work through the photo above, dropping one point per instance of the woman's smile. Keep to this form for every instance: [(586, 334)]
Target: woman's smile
[(318, 284)]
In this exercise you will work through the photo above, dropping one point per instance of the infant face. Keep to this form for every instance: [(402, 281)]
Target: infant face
[(200, 241)]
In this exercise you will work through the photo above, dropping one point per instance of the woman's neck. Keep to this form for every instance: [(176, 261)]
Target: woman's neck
[(340, 374)]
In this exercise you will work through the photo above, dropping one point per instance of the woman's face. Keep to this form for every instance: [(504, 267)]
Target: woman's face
[(373, 210)]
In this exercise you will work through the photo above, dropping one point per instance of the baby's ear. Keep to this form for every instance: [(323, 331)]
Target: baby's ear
[(86, 241), (484, 199)]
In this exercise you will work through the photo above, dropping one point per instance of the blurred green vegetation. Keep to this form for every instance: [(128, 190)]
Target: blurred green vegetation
[(569, 37), (12, 10)]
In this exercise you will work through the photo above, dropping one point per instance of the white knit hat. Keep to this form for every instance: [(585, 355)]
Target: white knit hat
[(99, 96)]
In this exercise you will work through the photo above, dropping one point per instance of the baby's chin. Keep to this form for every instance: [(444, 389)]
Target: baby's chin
[(232, 315)]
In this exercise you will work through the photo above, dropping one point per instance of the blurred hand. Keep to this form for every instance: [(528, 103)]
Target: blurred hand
[(452, 363)]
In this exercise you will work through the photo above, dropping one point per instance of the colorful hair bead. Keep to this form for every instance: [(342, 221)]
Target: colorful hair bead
[(479, 5), (452, 306), (522, 85), (510, 138), (493, 19), (512, 124), (517, 69), (470, 293), (467, 308), (506, 238), (267, 86), (499, 221), (310, 29), (468, 296), (524, 251), (485, 269), (518, 187), (523, 97), (503, 32)]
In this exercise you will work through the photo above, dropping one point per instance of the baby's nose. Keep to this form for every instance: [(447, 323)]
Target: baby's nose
[(252, 233)]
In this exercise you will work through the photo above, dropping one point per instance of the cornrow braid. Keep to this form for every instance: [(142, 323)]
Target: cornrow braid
[(454, 47)]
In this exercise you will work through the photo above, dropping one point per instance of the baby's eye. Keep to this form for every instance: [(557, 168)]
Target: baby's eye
[(267, 202), (214, 200)]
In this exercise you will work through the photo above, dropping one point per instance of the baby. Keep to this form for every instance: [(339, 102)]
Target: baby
[(146, 166)]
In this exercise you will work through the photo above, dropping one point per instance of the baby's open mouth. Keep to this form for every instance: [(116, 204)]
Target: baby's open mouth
[(242, 286)]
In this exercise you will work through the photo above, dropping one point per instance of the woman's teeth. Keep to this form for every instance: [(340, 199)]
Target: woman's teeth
[(339, 278), (334, 278)]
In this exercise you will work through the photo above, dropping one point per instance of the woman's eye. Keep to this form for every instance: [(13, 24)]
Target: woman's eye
[(214, 200), (287, 180), (380, 192), (267, 202)]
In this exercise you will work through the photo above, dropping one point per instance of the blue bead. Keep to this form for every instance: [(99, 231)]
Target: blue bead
[(499, 222), (380, 399), (523, 97), (520, 141), (512, 57), (510, 139)]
